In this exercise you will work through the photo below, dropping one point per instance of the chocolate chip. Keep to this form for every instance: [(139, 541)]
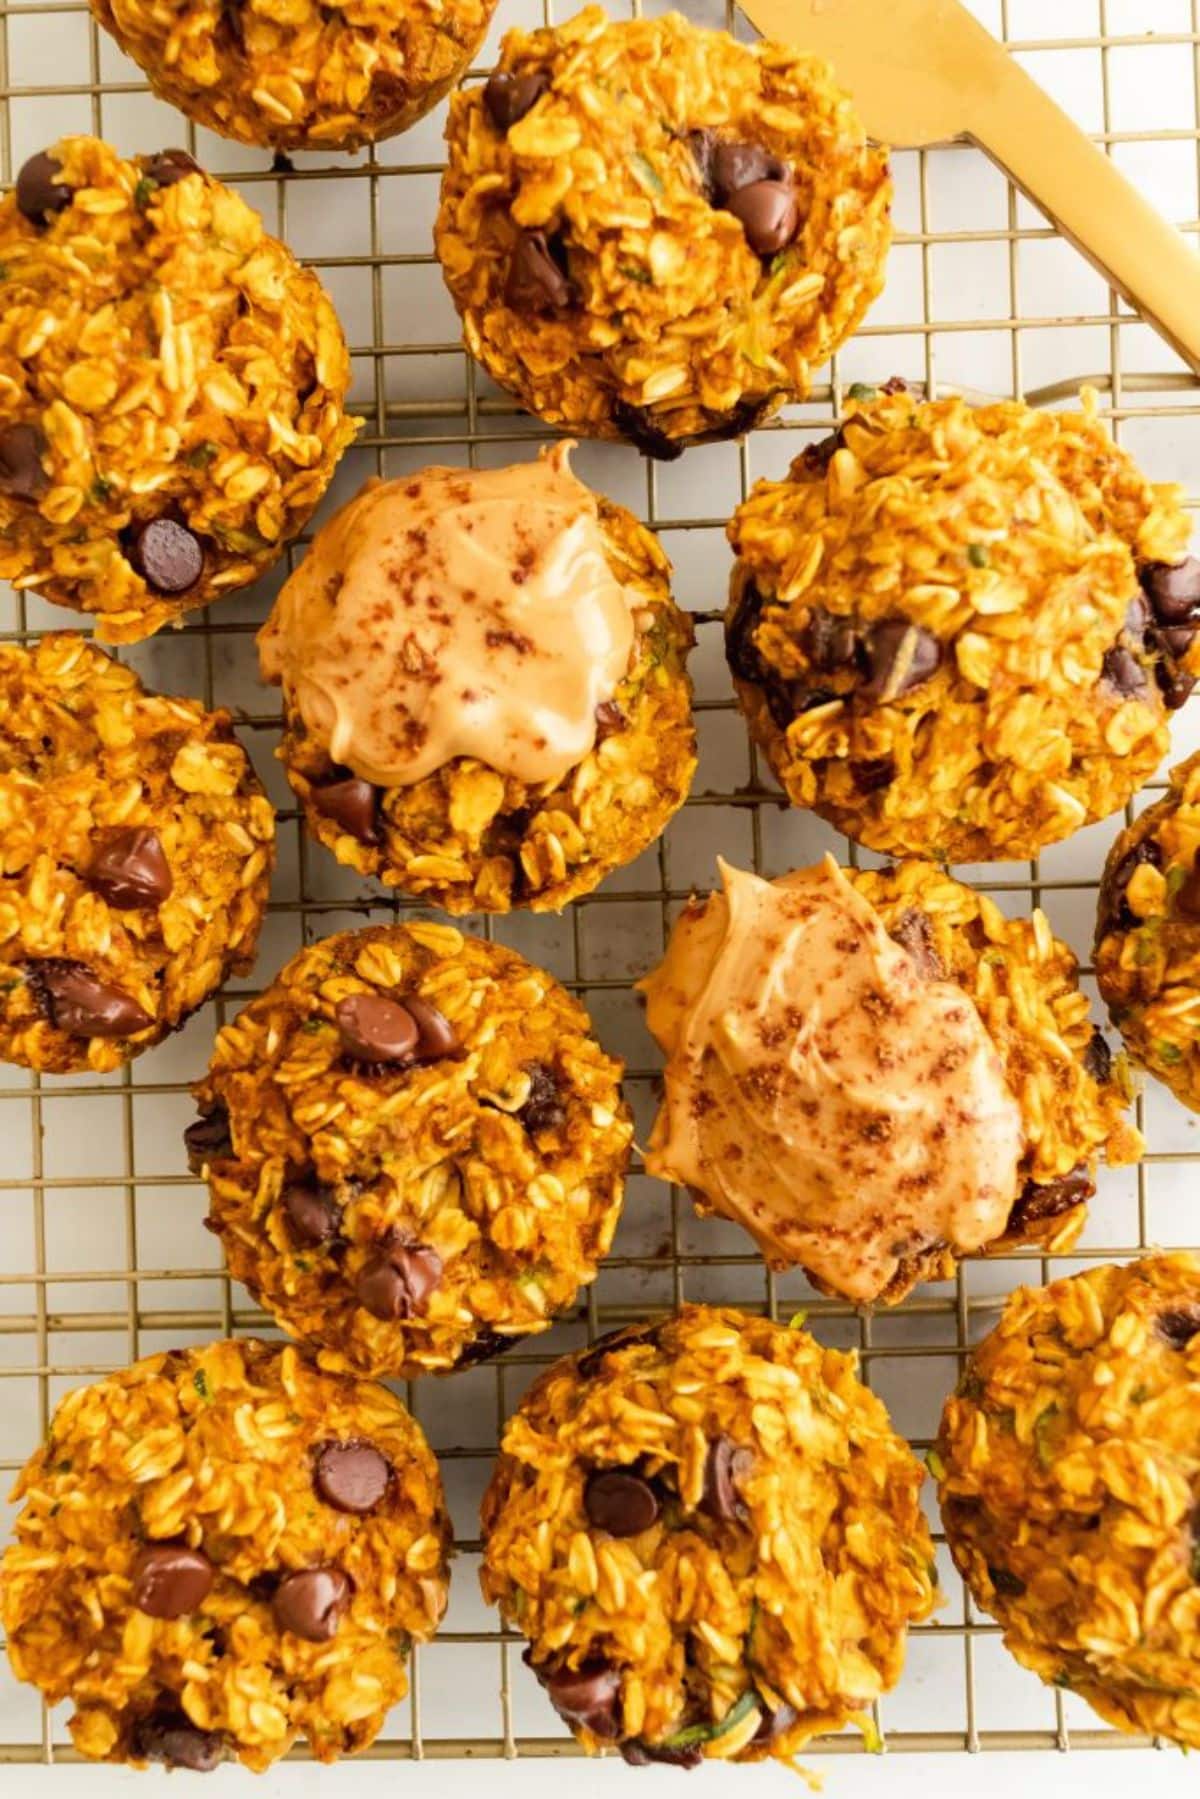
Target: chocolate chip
[(313, 1213), (509, 97), (620, 1502), (168, 1736), (738, 166), (1178, 1326), (22, 476), (1173, 590), (1010, 1586), (913, 931), (435, 1034), (637, 424), (900, 656), (773, 1725), (895, 384), (171, 1580), (397, 1281), (208, 1138), (588, 1697), (829, 642), (351, 803), (166, 555), (130, 870), (170, 166), (643, 1755), (629, 1336), (728, 1462), (40, 194), (1176, 686), (609, 720), (351, 1476), (375, 1029), (701, 145), (1122, 671), (768, 214), (872, 775), (543, 1110), (1097, 1057), (486, 1343), (1039, 1200), (1175, 640), (536, 281), (816, 458), (1115, 907), (310, 1602), (78, 1002)]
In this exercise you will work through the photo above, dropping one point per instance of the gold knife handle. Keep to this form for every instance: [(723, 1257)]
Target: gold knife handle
[(1082, 191)]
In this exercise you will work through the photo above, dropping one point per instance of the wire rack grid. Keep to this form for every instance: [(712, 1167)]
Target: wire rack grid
[(102, 1252)]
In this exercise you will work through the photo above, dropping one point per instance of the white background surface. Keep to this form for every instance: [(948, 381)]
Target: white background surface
[(114, 1199)]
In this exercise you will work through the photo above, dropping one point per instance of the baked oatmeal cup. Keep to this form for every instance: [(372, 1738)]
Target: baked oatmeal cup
[(304, 76), (172, 387), (1148, 935), (223, 1550), (415, 1148), (711, 1538), (877, 1073), (485, 693), (952, 628), (1068, 1465), (136, 846), (654, 232)]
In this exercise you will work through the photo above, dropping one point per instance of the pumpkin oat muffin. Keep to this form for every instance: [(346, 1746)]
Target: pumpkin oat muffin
[(711, 1537), (484, 682), (1148, 934), (1068, 1465), (303, 76), (171, 387), (937, 631), (654, 232), (414, 1146), (877, 1073), (136, 848), (221, 1550)]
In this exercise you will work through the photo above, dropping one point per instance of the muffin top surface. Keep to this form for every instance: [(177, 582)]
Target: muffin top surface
[(172, 408), (221, 1549)]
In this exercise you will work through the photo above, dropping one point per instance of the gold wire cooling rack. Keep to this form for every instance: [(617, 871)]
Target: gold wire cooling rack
[(102, 1250)]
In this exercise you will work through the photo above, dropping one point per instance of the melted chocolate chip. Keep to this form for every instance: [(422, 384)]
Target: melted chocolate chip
[(629, 1336), (1009, 1586), (1097, 1057), (913, 931), (1116, 909), (738, 166), (1173, 590), (587, 1697), (435, 1034), (130, 869), (485, 1344), (899, 656), (22, 476), (1049, 1199), (170, 166), (351, 803), (637, 424), (1176, 686), (376, 1030), (537, 279), (701, 145), (509, 97), (167, 556), (40, 194), (816, 458), (609, 720), (313, 1214), (78, 1002), (168, 1736), (208, 1138), (543, 1110), (1178, 1326), (643, 1755), (768, 214), (1122, 671), (310, 1602), (874, 774), (397, 1281), (619, 1501), (351, 1476), (171, 1580), (829, 642), (728, 1462)]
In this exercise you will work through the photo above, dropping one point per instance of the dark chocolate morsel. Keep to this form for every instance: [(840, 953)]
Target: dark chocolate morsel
[(588, 1697), (351, 1476), (644, 1755), (1116, 910), (1176, 686), (701, 145), (829, 641), (309, 1603), (628, 1336), (170, 166), (40, 193), (1178, 1326), (609, 720), (22, 476), (873, 774), (913, 931), (171, 1580), (435, 1034), (738, 166), (351, 803), (1097, 1057), (169, 1736), (78, 1002), (130, 869), (1123, 673), (637, 424), (619, 1501), (1009, 1586), (728, 1462), (208, 1138), (536, 280), (375, 1029), (1173, 589), (1049, 1199), (312, 1212), (543, 1110), (816, 458), (396, 1282), (768, 214), (509, 97), (486, 1343), (900, 656), (167, 556)]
